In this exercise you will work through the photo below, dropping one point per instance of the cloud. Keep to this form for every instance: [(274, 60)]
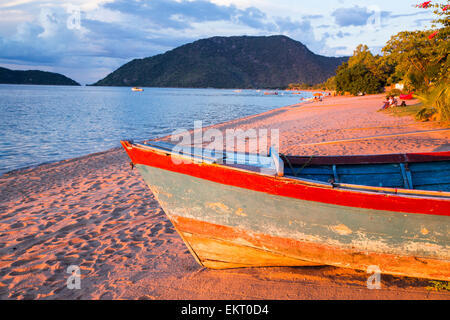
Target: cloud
[(356, 16), (44, 41), (391, 15), (180, 14), (254, 18), (313, 16), (288, 25)]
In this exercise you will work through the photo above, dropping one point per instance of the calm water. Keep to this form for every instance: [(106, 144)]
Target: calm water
[(50, 123)]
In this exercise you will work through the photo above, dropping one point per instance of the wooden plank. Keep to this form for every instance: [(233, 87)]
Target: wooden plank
[(350, 169), (427, 178), (316, 177), (369, 169), (381, 180), (409, 177), (406, 179), (371, 159), (402, 191), (336, 177), (220, 254), (311, 170), (440, 187), (429, 166)]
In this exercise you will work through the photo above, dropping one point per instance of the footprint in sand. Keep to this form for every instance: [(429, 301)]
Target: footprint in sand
[(17, 225), (154, 231), (157, 242)]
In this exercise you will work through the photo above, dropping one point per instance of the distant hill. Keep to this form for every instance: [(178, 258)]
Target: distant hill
[(34, 77), (228, 62)]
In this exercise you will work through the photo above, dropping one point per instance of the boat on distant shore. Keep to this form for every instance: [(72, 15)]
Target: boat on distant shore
[(136, 89), (244, 210), (270, 93)]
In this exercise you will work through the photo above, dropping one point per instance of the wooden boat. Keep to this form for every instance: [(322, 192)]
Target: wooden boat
[(406, 96), (136, 89), (240, 210)]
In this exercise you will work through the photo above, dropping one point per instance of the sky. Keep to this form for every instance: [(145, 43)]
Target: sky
[(88, 39)]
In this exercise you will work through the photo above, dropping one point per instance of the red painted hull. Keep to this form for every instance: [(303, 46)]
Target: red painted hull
[(286, 187)]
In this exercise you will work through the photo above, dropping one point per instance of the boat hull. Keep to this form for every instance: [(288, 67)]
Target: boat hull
[(227, 226)]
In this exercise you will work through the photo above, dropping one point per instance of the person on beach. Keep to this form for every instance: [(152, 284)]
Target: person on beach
[(392, 101), (386, 104)]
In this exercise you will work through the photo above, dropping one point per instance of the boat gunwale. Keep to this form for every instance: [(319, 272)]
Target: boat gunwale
[(408, 193)]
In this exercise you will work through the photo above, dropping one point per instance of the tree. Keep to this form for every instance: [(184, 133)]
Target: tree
[(416, 57), (421, 57), (363, 56), (421, 60), (357, 79), (330, 84)]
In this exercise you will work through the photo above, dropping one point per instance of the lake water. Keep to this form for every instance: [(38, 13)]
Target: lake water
[(42, 124)]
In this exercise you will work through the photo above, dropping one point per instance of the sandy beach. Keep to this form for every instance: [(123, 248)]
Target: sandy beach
[(97, 213)]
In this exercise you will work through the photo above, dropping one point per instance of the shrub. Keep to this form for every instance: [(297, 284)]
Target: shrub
[(425, 114)]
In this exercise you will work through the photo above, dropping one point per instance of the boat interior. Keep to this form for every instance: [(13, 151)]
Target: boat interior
[(407, 171)]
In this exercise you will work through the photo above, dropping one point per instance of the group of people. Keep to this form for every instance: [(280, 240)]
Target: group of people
[(391, 102), (318, 98)]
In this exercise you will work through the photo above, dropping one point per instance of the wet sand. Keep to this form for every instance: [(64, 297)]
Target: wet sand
[(97, 213)]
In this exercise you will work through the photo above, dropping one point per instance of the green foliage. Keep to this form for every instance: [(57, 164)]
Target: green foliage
[(357, 79), (417, 59), (421, 57), (34, 77), (425, 114), (299, 86), (363, 73), (437, 98), (330, 84)]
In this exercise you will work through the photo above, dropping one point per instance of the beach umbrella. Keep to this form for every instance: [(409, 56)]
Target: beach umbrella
[(318, 94)]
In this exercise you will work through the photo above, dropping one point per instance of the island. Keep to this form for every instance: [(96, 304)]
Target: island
[(228, 62), (38, 77)]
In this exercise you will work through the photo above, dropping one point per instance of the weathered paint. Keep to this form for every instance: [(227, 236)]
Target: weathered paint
[(220, 254), (222, 211), (355, 231), (300, 253)]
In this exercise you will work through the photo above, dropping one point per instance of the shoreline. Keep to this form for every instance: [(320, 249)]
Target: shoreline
[(95, 212)]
